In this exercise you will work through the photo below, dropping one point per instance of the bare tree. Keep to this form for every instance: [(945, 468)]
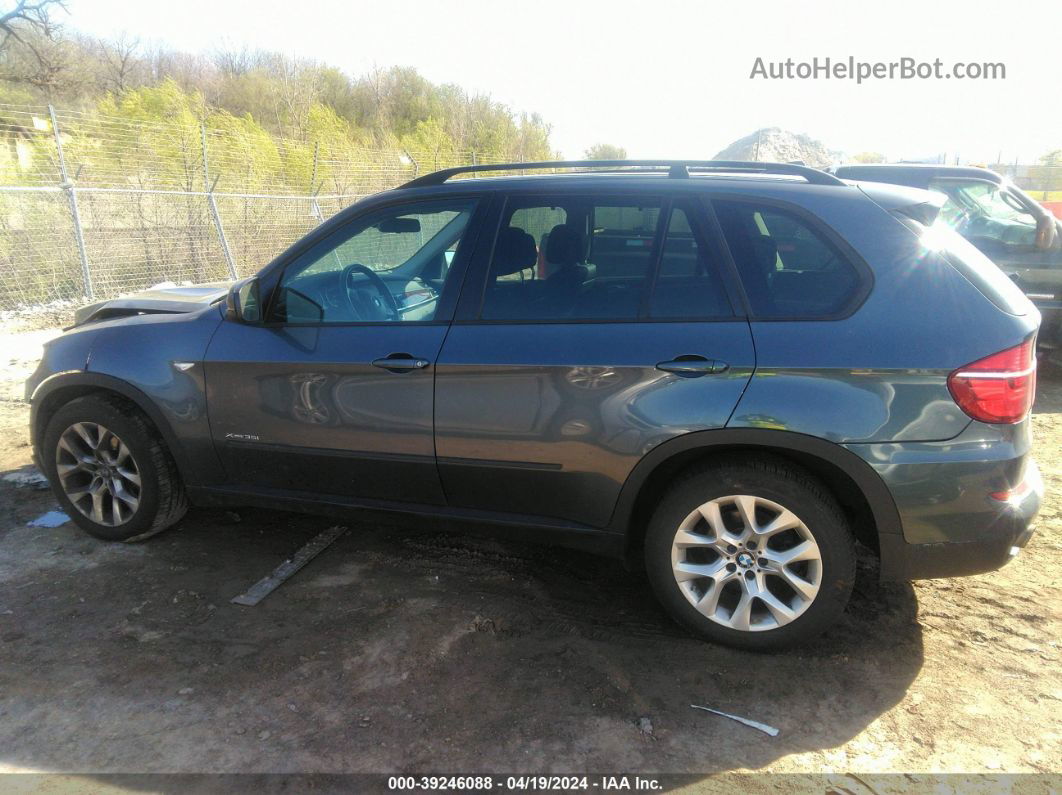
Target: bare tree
[(33, 52), (191, 72), (121, 61), (35, 15), (296, 86), (236, 63)]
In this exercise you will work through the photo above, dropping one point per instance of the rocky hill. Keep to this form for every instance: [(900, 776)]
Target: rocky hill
[(779, 146)]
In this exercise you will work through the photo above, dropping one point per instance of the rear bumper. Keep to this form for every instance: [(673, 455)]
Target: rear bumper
[(950, 523), (998, 545)]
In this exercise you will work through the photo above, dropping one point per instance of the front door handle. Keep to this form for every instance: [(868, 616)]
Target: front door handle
[(693, 366), (401, 363)]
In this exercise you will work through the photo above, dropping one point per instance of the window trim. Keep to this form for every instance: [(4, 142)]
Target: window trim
[(842, 247), (703, 239), (448, 299), (470, 309)]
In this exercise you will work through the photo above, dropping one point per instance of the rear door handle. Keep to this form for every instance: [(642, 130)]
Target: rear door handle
[(401, 363), (693, 366)]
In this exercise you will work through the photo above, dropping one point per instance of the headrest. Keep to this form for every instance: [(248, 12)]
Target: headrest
[(564, 246), (514, 251), (765, 250)]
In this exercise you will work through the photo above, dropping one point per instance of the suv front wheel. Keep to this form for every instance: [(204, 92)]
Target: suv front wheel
[(754, 554), (110, 471)]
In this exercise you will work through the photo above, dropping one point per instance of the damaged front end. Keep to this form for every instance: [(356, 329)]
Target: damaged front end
[(161, 299)]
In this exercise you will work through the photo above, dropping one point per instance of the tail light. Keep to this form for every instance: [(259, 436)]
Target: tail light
[(999, 388)]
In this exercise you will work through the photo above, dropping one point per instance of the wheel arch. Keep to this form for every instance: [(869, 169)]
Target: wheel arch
[(858, 488), (59, 389)]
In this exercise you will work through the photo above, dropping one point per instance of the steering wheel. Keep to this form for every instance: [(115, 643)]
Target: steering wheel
[(963, 220), (384, 302)]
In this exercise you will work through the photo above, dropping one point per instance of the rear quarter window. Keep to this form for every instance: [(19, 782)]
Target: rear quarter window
[(789, 268), (978, 269)]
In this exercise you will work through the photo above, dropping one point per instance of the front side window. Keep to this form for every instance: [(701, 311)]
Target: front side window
[(788, 268), (390, 266)]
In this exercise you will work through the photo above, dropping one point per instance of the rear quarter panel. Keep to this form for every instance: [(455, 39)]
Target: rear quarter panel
[(880, 374)]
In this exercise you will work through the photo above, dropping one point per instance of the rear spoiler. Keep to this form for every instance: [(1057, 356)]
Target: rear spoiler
[(914, 203)]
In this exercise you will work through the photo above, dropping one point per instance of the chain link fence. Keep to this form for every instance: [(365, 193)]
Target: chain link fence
[(1040, 182), (93, 206)]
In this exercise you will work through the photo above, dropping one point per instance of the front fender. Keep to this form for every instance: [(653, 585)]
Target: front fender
[(197, 466), (137, 358)]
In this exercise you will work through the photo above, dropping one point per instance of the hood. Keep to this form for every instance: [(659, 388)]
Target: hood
[(161, 299)]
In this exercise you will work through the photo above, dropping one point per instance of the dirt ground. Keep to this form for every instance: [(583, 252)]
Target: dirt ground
[(404, 649)]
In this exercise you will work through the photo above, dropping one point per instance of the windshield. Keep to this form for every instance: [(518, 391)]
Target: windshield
[(387, 246), (981, 209)]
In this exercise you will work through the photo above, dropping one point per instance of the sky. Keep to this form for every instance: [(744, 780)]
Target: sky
[(666, 78)]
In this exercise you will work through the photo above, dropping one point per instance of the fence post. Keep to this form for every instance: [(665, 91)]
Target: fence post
[(71, 194), (413, 160), (313, 176), (315, 207), (214, 206)]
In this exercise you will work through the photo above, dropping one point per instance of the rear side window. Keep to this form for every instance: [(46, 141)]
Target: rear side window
[(603, 258), (788, 268), (575, 258)]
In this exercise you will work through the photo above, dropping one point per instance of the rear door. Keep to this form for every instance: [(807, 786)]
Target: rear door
[(550, 389)]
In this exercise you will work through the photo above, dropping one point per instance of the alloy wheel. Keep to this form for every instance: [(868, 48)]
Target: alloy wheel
[(746, 563), (98, 473)]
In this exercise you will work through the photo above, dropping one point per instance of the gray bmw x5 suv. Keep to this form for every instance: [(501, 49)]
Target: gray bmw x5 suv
[(726, 373)]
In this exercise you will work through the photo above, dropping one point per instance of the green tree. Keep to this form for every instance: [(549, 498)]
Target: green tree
[(286, 122), (606, 152), (868, 157)]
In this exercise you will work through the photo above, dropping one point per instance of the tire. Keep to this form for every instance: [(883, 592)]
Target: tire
[(110, 462), (764, 604)]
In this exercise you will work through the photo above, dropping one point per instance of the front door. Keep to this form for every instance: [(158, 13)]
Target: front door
[(332, 394), (605, 329)]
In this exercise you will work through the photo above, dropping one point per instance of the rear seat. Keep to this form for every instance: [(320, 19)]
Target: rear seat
[(620, 254), (794, 292)]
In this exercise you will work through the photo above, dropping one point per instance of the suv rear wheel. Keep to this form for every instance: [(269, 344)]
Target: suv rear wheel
[(110, 470), (754, 554)]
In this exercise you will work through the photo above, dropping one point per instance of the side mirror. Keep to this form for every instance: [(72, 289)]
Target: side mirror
[(243, 303)]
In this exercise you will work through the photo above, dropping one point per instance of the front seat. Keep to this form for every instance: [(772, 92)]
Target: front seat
[(564, 254), (515, 251)]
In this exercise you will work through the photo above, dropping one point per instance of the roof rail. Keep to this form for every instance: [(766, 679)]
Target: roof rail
[(676, 169)]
